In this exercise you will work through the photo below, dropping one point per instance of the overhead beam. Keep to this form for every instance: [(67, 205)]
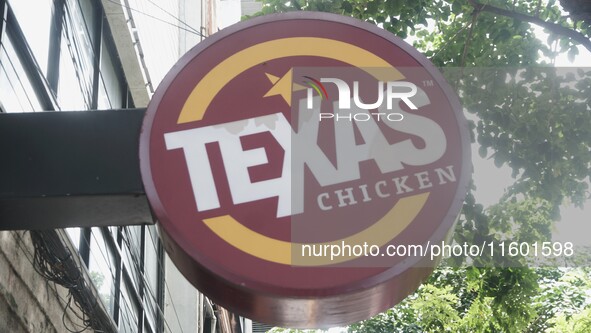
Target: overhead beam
[(64, 169)]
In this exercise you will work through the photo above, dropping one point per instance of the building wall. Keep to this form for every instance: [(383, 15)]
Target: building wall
[(62, 55), (166, 30), (28, 303)]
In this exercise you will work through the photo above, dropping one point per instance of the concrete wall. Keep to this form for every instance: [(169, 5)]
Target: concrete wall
[(28, 302)]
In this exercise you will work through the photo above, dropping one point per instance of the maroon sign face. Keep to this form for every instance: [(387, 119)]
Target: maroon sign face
[(298, 162)]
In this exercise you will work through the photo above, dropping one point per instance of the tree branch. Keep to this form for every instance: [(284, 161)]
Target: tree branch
[(555, 28), (469, 38)]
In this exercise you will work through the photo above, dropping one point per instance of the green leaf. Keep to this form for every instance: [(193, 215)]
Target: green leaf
[(572, 53), (483, 151), (456, 6)]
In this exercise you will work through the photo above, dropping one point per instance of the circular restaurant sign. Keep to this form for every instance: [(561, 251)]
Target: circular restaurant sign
[(300, 165)]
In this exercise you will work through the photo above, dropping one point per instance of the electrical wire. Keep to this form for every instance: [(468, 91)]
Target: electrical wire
[(30, 257), (66, 241), (175, 17), (173, 41), (58, 270), (138, 45), (53, 261), (192, 30)]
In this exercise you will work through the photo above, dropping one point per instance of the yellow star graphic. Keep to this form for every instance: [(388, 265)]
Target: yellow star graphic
[(283, 86)]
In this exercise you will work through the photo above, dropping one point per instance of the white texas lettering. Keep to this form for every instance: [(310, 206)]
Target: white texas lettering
[(301, 149)]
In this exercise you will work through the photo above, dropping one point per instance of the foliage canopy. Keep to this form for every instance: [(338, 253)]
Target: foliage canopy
[(534, 120)]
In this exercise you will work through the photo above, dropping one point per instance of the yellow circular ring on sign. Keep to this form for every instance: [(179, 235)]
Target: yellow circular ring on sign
[(205, 91), (282, 252)]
